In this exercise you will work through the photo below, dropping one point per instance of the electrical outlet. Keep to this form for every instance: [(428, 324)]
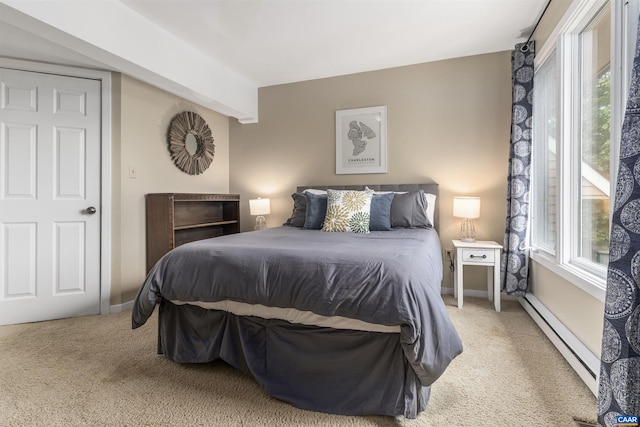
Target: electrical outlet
[(448, 257)]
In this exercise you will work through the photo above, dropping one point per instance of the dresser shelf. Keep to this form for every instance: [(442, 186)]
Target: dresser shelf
[(207, 224), (174, 219)]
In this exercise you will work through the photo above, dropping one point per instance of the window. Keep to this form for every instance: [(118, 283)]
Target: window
[(545, 172), (592, 209), (578, 103)]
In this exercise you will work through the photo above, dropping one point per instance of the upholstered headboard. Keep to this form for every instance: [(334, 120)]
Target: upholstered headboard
[(427, 188)]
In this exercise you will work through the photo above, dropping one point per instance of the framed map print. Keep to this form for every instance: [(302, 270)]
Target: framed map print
[(361, 140)]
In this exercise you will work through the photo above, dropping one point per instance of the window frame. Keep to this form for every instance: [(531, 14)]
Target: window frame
[(564, 43)]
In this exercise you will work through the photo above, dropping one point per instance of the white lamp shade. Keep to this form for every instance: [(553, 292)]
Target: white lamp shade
[(259, 206), (466, 207)]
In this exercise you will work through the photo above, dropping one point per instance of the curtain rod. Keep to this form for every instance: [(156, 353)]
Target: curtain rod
[(525, 46)]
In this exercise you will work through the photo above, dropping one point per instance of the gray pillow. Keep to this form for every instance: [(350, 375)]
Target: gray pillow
[(409, 210), (299, 214), (380, 215), (316, 210)]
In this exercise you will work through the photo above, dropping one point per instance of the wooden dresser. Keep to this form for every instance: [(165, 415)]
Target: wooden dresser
[(174, 219)]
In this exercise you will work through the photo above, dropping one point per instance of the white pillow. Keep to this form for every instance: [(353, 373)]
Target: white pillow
[(315, 191), (431, 207)]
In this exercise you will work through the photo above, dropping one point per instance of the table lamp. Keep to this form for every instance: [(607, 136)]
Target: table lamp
[(467, 208), (260, 207)]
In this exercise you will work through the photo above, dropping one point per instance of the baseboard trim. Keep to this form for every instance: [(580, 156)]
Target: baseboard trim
[(119, 308), (581, 359)]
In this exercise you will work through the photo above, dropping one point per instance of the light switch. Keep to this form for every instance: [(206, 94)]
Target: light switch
[(133, 172)]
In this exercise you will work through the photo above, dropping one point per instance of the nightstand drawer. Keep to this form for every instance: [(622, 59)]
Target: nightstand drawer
[(478, 255)]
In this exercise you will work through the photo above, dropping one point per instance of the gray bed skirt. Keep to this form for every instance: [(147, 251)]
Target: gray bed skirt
[(353, 373)]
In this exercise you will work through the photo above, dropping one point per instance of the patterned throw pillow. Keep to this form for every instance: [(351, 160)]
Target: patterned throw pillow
[(348, 210)]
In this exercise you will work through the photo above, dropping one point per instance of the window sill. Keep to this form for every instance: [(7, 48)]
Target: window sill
[(589, 283)]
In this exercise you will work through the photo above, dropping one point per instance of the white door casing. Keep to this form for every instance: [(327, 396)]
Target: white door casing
[(50, 167)]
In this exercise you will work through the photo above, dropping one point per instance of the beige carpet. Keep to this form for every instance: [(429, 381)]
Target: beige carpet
[(96, 371)]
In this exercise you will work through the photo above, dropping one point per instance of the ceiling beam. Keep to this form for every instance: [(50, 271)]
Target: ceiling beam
[(112, 34)]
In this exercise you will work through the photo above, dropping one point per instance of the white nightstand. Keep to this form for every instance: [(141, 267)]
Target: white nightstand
[(483, 253)]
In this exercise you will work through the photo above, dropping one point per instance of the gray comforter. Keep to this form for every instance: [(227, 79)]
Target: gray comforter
[(390, 278)]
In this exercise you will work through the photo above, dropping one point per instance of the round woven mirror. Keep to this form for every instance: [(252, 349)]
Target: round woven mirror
[(190, 143)]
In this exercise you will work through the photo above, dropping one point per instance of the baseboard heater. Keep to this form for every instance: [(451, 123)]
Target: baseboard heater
[(581, 359)]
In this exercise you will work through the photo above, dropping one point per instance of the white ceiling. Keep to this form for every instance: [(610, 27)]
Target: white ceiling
[(258, 43), (283, 41)]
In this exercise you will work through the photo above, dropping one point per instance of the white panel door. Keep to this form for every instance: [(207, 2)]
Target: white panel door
[(49, 196)]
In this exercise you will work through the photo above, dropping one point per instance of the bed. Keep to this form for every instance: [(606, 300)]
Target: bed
[(344, 323)]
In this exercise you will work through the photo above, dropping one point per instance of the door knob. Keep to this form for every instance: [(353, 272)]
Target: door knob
[(90, 210)]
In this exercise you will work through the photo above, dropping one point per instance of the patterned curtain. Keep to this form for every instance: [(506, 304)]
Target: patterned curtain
[(619, 389), (514, 265)]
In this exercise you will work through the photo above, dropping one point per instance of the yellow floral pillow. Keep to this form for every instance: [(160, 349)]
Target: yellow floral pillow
[(348, 210)]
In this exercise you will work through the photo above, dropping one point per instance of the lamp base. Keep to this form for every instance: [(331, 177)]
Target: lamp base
[(467, 231), (261, 223)]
